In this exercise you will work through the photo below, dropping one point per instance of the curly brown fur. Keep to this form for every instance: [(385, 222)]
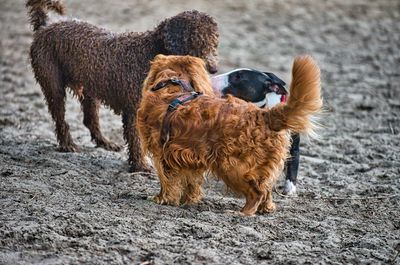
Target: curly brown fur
[(109, 68), (235, 140)]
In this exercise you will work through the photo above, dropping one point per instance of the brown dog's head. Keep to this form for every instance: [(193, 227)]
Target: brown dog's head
[(192, 33), (188, 68)]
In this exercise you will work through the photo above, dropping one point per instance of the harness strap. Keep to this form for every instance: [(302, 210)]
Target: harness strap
[(166, 124), (175, 81)]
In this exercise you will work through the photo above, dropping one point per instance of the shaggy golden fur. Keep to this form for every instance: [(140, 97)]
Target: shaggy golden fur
[(241, 144)]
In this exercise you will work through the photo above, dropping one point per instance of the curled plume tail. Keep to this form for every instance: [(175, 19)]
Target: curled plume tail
[(304, 101), (37, 10)]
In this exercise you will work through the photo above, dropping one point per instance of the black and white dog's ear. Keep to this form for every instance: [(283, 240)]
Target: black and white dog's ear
[(275, 84), (275, 79), (267, 86)]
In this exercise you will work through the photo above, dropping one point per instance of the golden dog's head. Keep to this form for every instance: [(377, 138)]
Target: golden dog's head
[(188, 68)]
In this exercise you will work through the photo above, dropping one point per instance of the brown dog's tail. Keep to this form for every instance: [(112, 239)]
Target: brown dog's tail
[(37, 10), (304, 101)]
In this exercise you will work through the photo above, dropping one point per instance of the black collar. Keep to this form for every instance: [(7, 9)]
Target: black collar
[(187, 87)]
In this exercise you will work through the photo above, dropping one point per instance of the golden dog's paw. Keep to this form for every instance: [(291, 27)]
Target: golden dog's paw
[(190, 200), (159, 199), (150, 198), (269, 208), (238, 213)]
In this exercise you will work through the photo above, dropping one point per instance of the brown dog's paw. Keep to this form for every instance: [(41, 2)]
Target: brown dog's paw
[(110, 146), (188, 200), (69, 148), (141, 168)]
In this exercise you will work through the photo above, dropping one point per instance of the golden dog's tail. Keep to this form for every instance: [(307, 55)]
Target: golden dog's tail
[(37, 11), (304, 101)]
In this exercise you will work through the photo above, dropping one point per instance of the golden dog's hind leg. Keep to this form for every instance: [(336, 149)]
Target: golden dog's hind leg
[(243, 184), (171, 186), (253, 196)]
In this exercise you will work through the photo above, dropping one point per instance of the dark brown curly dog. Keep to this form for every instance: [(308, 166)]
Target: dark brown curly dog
[(238, 142), (100, 66)]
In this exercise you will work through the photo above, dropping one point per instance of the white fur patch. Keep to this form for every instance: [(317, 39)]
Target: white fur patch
[(290, 188), (234, 70), (219, 82), (272, 99)]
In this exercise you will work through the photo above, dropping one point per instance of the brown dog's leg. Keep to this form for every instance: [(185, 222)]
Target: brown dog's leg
[(136, 159), (90, 108), (53, 89)]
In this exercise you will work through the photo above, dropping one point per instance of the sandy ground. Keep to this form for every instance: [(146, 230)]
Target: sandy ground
[(69, 208)]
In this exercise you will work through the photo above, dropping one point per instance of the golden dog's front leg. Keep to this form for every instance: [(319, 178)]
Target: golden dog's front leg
[(171, 187), (267, 206), (193, 183)]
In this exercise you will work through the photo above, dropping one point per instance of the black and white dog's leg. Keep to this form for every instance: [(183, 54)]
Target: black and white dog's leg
[(292, 166)]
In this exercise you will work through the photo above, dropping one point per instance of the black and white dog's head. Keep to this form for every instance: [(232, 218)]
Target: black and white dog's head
[(261, 88)]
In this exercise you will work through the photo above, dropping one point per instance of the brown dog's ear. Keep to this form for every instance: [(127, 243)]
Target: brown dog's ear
[(192, 33), (175, 35)]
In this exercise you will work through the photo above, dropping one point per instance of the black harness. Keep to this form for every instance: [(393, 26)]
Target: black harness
[(175, 81), (173, 105)]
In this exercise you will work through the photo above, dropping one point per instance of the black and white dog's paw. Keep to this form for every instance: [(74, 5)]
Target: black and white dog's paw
[(289, 188)]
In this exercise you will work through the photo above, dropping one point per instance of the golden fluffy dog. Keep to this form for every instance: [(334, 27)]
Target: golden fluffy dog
[(241, 144)]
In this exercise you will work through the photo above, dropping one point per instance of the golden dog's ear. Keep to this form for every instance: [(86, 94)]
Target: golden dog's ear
[(160, 57), (155, 66), (200, 79), (150, 79)]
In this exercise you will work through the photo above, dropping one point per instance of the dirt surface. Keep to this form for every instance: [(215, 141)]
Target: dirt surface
[(69, 208)]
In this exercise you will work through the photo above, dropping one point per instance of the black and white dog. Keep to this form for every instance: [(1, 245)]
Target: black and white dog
[(255, 86)]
